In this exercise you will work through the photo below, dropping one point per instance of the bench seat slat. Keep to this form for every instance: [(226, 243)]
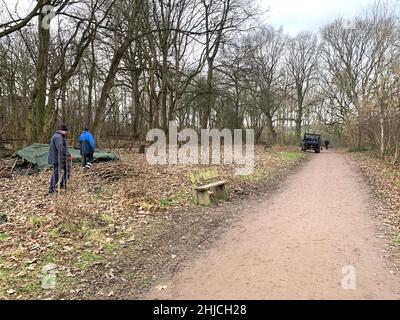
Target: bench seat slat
[(210, 185)]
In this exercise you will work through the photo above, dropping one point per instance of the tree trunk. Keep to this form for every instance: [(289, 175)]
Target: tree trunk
[(382, 129), (210, 96), (37, 111), (299, 124), (271, 129), (107, 86), (91, 82), (164, 93), (135, 97)]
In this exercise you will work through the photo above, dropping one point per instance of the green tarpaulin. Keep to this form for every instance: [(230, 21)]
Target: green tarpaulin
[(38, 154)]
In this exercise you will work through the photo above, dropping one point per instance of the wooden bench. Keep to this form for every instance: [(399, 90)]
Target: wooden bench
[(203, 182)]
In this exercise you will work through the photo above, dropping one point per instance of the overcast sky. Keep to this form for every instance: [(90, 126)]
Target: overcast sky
[(310, 15), (293, 15)]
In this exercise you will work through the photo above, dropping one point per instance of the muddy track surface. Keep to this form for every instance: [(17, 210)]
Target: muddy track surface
[(315, 238)]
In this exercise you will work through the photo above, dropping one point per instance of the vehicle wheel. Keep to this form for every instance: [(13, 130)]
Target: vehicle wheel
[(317, 151)]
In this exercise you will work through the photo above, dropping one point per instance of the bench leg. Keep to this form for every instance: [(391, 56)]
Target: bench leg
[(220, 193), (195, 196), (203, 197)]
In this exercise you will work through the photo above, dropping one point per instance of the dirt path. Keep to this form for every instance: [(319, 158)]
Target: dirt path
[(288, 248)]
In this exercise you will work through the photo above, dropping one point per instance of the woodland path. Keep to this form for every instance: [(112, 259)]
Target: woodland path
[(295, 244)]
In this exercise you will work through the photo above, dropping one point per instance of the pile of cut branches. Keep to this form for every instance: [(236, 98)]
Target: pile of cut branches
[(110, 171), (6, 168)]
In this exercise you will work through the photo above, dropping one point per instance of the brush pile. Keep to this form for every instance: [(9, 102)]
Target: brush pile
[(110, 171), (6, 168)]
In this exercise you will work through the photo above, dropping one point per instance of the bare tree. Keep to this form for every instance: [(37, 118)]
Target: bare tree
[(302, 62), (15, 24), (268, 47), (130, 10), (221, 18)]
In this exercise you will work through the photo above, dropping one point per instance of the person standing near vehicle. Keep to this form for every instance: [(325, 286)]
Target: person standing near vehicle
[(87, 148), (326, 144), (58, 158)]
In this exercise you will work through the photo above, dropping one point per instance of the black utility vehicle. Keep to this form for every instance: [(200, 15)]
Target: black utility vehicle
[(312, 142)]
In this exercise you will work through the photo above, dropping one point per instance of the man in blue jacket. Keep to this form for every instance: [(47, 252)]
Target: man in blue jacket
[(87, 147), (58, 158)]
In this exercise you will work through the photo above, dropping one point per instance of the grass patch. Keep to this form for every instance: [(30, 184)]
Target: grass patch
[(94, 235), (98, 195), (359, 149), (390, 174), (165, 203), (75, 227), (31, 288), (37, 222), (145, 205), (3, 236), (110, 247), (87, 260), (96, 198), (107, 219), (55, 233), (50, 257), (140, 279), (257, 175), (68, 227), (89, 228), (19, 253), (292, 156)]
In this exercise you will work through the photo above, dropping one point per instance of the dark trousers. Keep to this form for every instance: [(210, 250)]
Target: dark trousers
[(56, 176), (87, 160)]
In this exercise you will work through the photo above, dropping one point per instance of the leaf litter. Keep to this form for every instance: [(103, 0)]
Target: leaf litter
[(116, 206)]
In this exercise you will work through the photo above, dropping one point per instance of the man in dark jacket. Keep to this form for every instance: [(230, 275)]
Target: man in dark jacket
[(58, 158), (87, 147)]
